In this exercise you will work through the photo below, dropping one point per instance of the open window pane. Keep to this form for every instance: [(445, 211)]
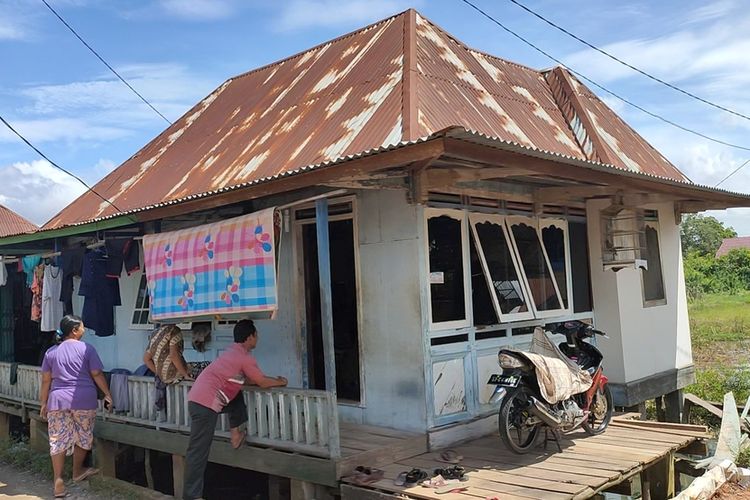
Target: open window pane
[(484, 310), (501, 267), (553, 237), (538, 274), (579, 267), (653, 282), (446, 269)]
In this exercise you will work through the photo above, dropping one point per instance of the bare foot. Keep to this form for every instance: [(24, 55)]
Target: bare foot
[(238, 439)]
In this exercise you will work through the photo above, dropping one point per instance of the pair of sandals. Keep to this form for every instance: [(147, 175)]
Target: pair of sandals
[(410, 478), (367, 475)]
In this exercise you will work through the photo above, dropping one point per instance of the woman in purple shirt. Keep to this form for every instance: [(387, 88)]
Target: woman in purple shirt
[(71, 371)]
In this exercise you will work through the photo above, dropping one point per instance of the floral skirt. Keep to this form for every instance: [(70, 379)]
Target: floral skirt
[(70, 428)]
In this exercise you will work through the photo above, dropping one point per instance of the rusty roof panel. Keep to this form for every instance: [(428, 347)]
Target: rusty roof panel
[(345, 97), (484, 93), (11, 223), (337, 99)]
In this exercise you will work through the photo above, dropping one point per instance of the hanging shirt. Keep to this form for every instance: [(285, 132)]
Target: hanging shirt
[(52, 308), (37, 284), (101, 294), (28, 264), (72, 263)]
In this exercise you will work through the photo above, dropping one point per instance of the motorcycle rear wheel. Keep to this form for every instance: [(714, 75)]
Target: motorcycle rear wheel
[(514, 413), (601, 412)]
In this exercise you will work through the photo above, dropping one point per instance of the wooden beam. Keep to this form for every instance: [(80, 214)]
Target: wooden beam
[(626, 180), (326, 308), (417, 185), (268, 461), (315, 177), (178, 473), (563, 194)]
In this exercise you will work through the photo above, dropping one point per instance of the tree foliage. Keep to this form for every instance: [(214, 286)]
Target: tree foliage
[(703, 234)]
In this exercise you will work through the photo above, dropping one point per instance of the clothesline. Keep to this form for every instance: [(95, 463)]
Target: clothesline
[(98, 244)]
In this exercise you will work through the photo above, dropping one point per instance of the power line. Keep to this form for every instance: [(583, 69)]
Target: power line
[(601, 87), (104, 62), (624, 63), (28, 143), (732, 173)]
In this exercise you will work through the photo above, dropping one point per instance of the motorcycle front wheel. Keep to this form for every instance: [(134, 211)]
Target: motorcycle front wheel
[(515, 431), (601, 412)]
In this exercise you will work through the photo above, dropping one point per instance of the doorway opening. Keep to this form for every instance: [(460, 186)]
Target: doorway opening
[(344, 300)]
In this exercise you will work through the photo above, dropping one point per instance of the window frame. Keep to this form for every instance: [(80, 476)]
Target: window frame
[(474, 218), (533, 222), (654, 225), (135, 309), (548, 222), (461, 217)]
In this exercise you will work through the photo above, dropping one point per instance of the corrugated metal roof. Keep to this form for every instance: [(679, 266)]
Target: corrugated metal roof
[(12, 223), (729, 244), (346, 97)]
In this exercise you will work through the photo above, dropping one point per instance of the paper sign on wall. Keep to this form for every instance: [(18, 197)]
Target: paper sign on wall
[(437, 278)]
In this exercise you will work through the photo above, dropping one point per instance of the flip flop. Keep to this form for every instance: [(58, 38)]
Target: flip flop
[(237, 446), (450, 457), (367, 475), (450, 488), (86, 474), (61, 495), (400, 479)]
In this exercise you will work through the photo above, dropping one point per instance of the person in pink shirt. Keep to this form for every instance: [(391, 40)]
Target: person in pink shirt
[(205, 403)]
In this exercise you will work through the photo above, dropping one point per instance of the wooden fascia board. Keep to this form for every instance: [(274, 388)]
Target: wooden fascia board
[(319, 176), (592, 173), (600, 148)]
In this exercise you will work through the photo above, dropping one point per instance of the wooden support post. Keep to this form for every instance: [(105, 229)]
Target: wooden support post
[(106, 457), (147, 468), (278, 488), (326, 304), (38, 437), (673, 403), (660, 478), (178, 474), (303, 490), (4, 426), (660, 416), (642, 410)]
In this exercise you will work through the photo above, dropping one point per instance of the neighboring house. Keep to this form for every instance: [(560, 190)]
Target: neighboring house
[(729, 244), (11, 223), (466, 203)]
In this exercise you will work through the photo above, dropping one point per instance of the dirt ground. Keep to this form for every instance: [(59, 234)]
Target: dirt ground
[(731, 491), (20, 485)]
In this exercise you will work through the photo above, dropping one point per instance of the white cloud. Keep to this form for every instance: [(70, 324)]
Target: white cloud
[(37, 190), (14, 23), (199, 10), (713, 10), (298, 14), (63, 129)]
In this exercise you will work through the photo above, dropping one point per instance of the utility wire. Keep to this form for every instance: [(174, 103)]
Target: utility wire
[(624, 63), (104, 62), (733, 172), (29, 144), (604, 89)]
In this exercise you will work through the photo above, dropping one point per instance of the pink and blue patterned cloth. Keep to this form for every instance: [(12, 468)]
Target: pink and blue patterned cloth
[(217, 269)]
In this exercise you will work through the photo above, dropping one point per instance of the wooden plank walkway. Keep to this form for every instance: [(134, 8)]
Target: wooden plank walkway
[(587, 465)]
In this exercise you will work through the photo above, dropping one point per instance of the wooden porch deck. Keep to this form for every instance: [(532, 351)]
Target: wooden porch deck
[(588, 465)]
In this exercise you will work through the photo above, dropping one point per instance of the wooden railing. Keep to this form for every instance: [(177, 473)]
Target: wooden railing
[(300, 420), (294, 419)]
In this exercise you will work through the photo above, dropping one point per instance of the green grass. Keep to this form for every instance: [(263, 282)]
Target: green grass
[(21, 456), (720, 331)]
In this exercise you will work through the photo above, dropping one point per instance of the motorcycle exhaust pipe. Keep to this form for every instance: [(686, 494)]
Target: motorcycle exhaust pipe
[(540, 411)]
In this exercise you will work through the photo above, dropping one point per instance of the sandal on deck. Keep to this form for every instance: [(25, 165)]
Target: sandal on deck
[(367, 475), (410, 478), (451, 488), (455, 472), (85, 475)]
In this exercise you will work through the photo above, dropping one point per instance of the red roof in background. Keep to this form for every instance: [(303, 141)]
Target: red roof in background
[(349, 96), (729, 244), (11, 223)]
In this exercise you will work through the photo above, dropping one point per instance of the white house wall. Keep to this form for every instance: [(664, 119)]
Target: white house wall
[(644, 340), (391, 330)]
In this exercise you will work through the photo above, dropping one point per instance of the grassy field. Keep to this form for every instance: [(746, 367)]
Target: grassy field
[(720, 330)]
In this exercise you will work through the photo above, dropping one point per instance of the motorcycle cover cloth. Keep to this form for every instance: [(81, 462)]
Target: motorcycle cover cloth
[(559, 377)]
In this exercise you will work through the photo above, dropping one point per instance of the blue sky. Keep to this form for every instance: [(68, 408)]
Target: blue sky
[(177, 51)]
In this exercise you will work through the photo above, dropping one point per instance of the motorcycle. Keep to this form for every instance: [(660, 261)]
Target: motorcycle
[(524, 412)]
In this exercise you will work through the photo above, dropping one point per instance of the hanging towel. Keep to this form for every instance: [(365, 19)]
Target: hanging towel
[(13, 373), (119, 387), (3, 272)]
